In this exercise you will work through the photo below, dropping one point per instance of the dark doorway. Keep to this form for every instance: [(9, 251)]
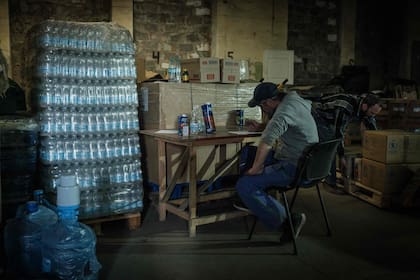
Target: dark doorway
[(415, 62)]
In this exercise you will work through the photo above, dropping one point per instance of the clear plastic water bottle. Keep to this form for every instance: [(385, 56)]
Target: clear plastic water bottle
[(81, 44), (60, 150), (95, 148), (90, 39), (74, 36), (44, 65), (47, 121), (73, 64), (48, 153), (117, 147), (63, 63), (103, 170), (44, 36), (90, 68), (81, 70), (67, 125), (57, 94), (172, 70), (73, 93), (55, 35), (125, 151), (64, 36), (101, 148), (44, 93)]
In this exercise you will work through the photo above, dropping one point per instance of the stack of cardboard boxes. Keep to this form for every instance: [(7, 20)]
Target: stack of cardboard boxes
[(389, 159), (212, 70), (162, 102)]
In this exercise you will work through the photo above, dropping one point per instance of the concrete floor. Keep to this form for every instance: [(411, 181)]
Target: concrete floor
[(367, 243)]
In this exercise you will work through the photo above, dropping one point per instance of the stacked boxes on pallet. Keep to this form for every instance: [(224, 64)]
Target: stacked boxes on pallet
[(83, 88), (389, 159)]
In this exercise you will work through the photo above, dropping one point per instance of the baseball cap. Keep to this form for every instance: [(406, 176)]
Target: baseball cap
[(263, 91)]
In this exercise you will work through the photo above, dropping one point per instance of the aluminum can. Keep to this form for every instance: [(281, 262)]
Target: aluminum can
[(240, 118), (183, 127), (208, 118)]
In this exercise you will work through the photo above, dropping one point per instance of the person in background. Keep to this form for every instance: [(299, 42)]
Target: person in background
[(333, 113), (12, 96), (289, 131)]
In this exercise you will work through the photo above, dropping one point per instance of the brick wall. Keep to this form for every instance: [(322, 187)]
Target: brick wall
[(26, 13), (171, 27), (313, 34)]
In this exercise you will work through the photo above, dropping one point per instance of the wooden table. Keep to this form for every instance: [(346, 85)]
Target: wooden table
[(186, 208)]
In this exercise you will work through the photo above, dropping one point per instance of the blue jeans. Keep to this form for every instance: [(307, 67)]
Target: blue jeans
[(252, 191)]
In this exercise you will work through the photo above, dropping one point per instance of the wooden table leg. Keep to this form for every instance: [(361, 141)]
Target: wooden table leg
[(162, 178), (192, 193)]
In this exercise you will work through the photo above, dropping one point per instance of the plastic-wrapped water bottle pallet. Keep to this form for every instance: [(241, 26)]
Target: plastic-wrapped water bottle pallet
[(133, 221)]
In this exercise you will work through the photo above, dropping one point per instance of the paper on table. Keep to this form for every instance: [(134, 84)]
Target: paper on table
[(167, 131), (243, 132)]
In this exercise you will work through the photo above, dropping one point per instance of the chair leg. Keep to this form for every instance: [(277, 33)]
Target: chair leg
[(294, 198), (289, 218), (251, 232), (324, 211)]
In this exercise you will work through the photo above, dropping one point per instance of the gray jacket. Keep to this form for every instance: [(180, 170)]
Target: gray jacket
[(293, 126)]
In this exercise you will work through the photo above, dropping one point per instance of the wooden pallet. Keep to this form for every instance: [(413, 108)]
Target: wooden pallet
[(133, 221), (370, 195)]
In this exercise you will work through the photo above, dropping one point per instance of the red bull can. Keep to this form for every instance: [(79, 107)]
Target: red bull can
[(208, 118), (183, 128)]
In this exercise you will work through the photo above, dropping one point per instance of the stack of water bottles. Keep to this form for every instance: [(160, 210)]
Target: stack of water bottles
[(83, 80), (49, 241)]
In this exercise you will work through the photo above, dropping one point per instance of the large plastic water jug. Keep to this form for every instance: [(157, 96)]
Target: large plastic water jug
[(45, 212), (68, 247), (23, 239)]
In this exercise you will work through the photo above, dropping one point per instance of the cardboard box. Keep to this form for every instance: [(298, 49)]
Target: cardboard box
[(386, 146), (230, 71), (386, 178), (160, 104), (140, 69), (204, 69), (412, 148)]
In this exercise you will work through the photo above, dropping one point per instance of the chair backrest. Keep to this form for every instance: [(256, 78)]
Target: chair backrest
[(315, 163)]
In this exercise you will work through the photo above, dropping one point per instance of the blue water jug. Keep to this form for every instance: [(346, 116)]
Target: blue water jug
[(23, 239), (69, 247), (46, 212)]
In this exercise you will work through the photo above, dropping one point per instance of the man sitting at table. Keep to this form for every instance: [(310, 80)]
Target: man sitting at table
[(289, 131)]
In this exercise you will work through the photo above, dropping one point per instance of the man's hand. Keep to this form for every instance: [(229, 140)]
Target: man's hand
[(254, 171), (253, 125)]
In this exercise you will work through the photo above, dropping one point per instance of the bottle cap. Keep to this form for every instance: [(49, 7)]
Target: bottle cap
[(68, 180), (68, 193), (31, 206)]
